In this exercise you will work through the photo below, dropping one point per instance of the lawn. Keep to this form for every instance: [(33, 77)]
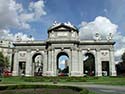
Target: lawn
[(87, 80), (42, 89), (107, 80)]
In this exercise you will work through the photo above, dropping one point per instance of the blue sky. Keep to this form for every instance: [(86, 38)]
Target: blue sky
[(76, 11), (62, 59), (33, 17)]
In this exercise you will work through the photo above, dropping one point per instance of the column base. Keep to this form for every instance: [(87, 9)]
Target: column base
[(49, 73), (99, 73), (28, 74), (76, 73), (15, 73), (113, 73)]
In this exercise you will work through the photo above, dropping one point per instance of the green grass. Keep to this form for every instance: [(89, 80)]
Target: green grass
[(33, 89), (107, 80), (41, 79), (88, 80)]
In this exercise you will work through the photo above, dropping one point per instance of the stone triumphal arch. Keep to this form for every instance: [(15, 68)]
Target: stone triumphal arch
[(85, 57)]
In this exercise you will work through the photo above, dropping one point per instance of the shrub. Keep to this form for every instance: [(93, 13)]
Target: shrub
[(84, 91)]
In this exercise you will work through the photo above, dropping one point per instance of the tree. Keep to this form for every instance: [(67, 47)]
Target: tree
[(121, 66), (123, 57), (4, 62), (1, 60)]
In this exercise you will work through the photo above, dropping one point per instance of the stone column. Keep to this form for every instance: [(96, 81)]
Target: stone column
[(16, 64), (70, 61), (49, 71), (49, 61), (112, 63), (28, 63), (98, 65), (45, 65), (75, 69), (10, 58), (80, 66), (53, 62)]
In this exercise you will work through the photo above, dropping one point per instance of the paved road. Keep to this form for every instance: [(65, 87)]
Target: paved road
[(106, 89)]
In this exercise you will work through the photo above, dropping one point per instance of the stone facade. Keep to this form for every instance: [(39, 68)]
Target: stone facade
[(62, 39)]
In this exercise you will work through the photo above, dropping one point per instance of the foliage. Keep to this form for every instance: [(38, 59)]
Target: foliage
[(87, 80), (1, 59), (4, 61), (84, 91), (90, 92), (38, 86), (51, 79), (123, 57), (120, 67)]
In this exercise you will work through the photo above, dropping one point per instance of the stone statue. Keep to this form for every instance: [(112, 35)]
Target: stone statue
[(55, 23), (109, 37), (18, 38), (97, 37)]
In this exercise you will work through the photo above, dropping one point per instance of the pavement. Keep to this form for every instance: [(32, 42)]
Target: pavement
[(104, 89), (101, 89)]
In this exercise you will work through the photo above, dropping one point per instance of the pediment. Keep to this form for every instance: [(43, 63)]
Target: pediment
[(62, 27)]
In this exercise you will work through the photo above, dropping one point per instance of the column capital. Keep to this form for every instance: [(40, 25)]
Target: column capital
[(49, 49), (111, 49), (16, 50), (79, 49), (28, 50), (73, 48), (37, 50), (97, 49), (53, 49), (45, 50)]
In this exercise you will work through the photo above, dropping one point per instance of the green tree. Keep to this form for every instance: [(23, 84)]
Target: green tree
[(1, 59), (123, 57), (4, 62)]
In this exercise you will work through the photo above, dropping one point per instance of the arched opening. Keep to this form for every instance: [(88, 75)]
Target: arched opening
[(89, 64), (62, 64), (37, 60)]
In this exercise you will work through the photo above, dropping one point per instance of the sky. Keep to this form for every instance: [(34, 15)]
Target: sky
[(33, 17), (62, 59)]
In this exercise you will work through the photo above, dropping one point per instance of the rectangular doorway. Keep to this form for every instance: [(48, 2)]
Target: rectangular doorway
[(105, 68), (22, 66)]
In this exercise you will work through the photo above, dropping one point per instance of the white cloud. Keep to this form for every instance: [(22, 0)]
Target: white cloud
[(37, 8), (5, 34), (13, 14), (62, 62), (8, 13), (103, 26)]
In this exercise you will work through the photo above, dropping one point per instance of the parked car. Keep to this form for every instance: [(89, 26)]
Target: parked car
[(63, 74), (7, 73)]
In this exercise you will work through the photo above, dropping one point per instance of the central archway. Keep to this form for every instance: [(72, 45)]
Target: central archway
[(62, 64), (89, 64)]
